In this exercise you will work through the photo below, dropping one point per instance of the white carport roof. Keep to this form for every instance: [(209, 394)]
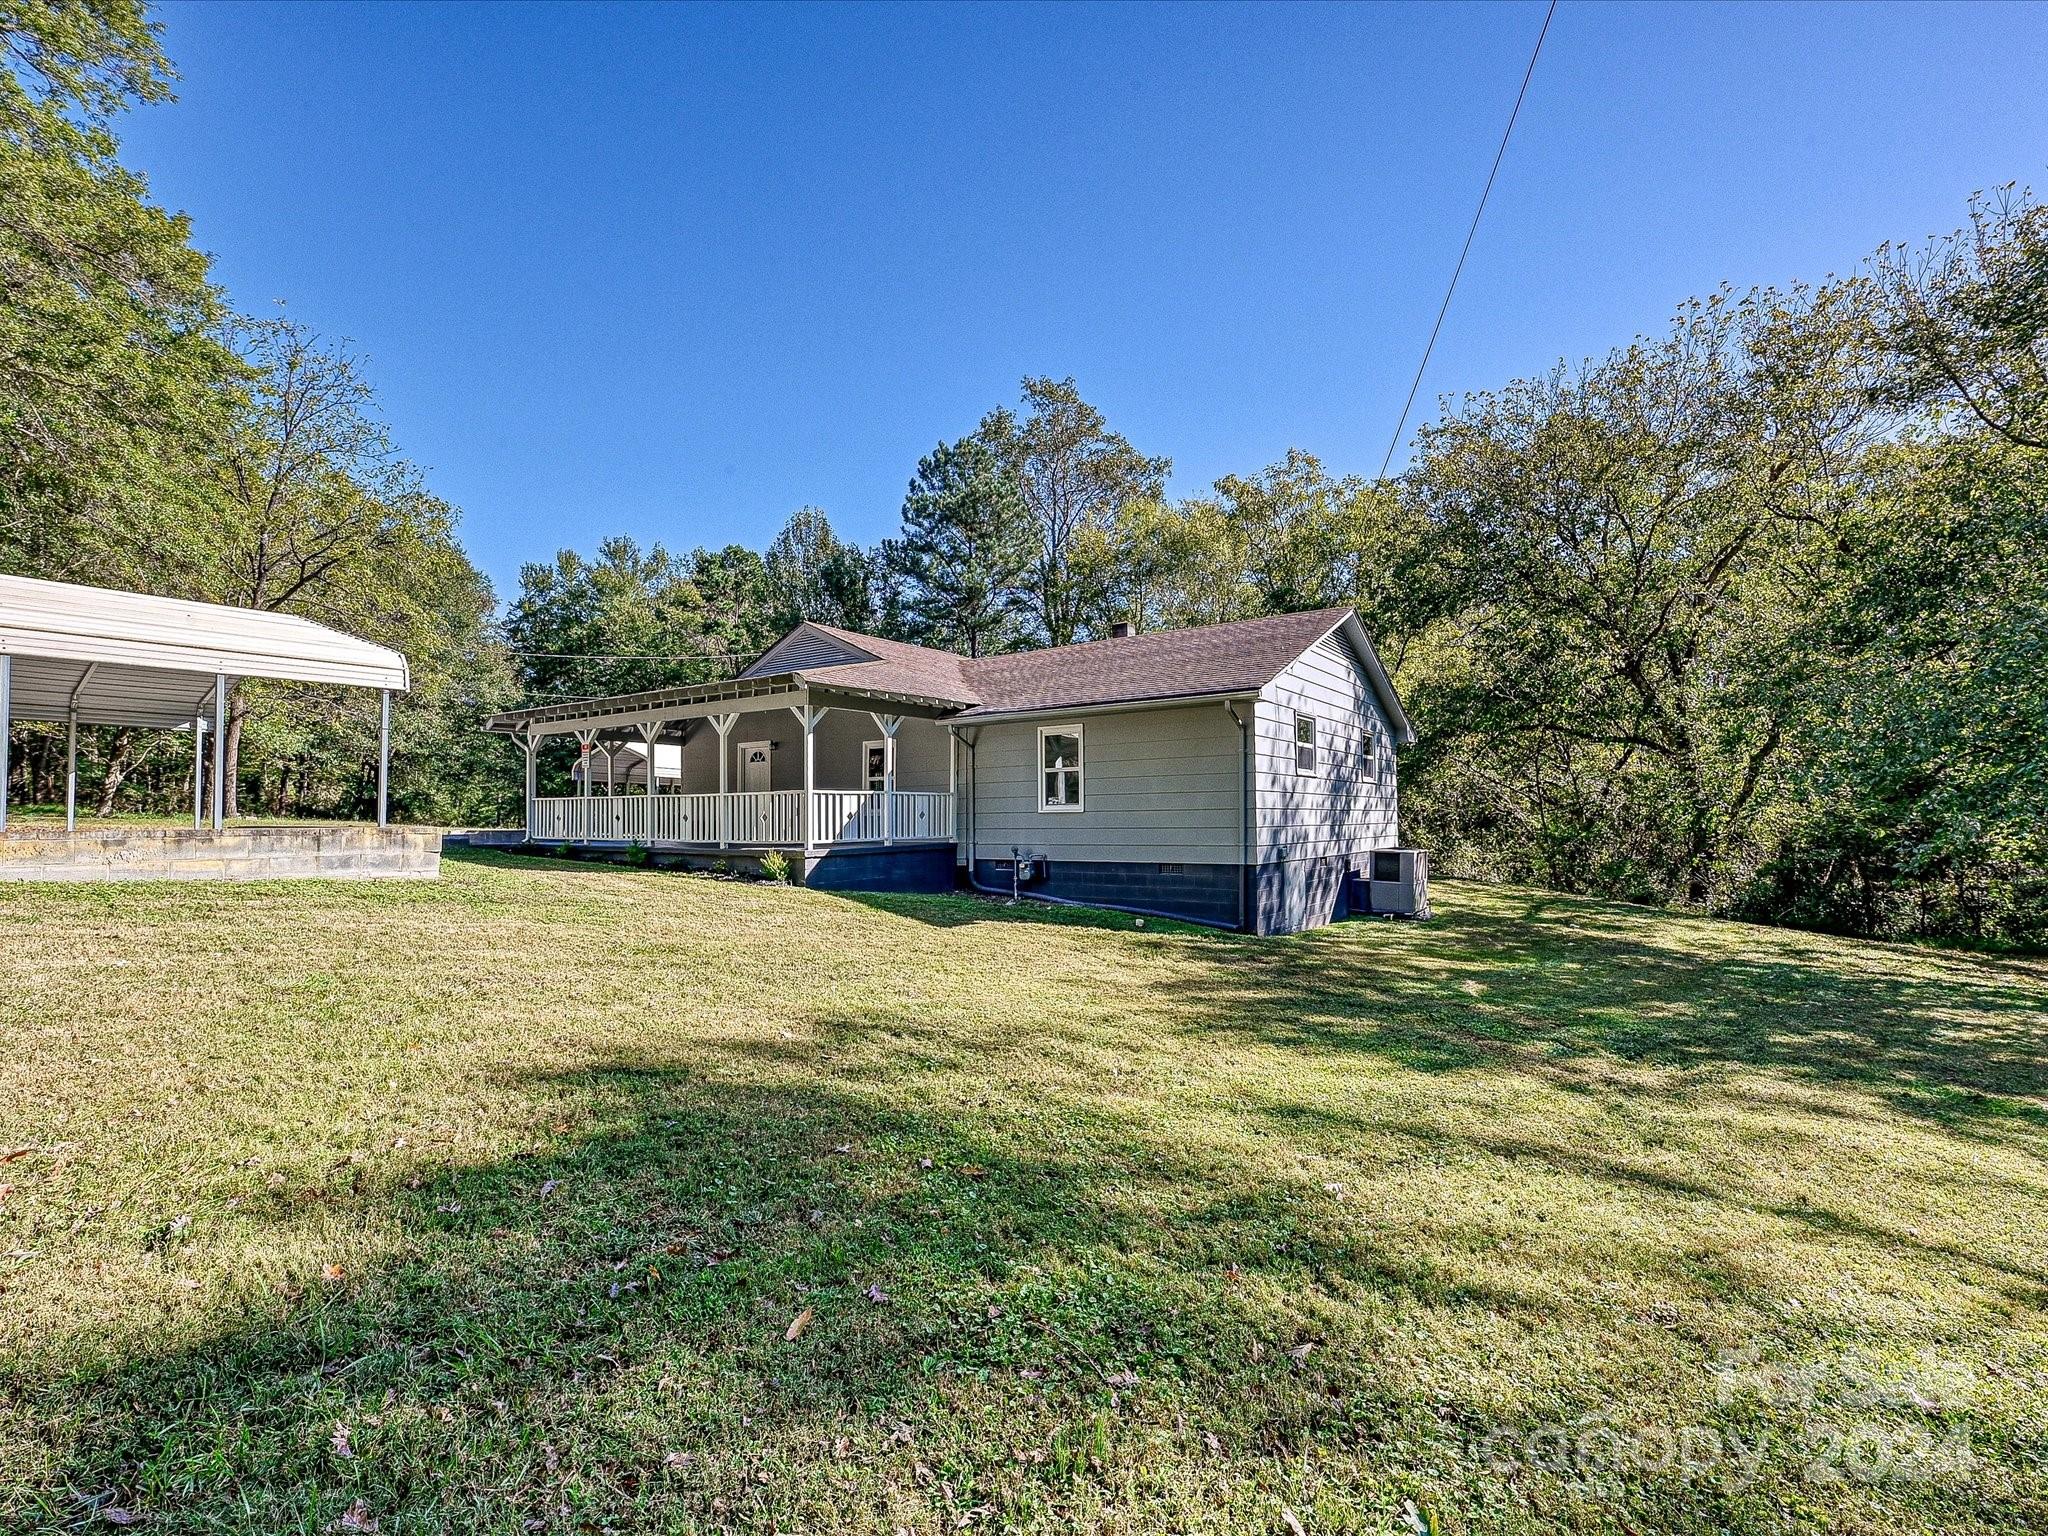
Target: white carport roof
[(124, 658)]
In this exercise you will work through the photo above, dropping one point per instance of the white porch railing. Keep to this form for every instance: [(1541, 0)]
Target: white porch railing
[(771, 818)]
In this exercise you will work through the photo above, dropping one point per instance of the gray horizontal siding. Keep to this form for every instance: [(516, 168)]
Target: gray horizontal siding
[(1158, 785), (1343, 807)]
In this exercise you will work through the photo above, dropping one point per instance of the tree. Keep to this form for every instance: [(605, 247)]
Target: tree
[(308, 493), (813, 574), (1072, 474), (625, 621), (111, 382), (961, 560)]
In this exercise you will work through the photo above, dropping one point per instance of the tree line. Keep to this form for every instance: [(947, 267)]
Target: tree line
[(1749, 617)]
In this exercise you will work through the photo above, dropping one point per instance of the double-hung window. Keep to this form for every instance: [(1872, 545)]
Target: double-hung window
[(1059, 768), (1304, 743)]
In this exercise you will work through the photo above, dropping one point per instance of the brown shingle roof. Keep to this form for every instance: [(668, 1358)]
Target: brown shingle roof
[(1168, 663), (897, 668)]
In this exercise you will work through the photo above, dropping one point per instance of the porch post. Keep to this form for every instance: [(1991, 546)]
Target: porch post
[(220, 745), (723, 724), (611, 783), (6, 706), (888, 725), (650, 729), (583, 741), (198, 771), (532, 779), (809, 718), (384, 757)]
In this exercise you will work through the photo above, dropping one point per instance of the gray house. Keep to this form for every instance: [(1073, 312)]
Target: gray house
[(1236, 774)]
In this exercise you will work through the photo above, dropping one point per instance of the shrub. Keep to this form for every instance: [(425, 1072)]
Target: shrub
[(775, 866)]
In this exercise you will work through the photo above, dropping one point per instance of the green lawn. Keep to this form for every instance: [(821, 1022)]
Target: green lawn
[(564, 1198)]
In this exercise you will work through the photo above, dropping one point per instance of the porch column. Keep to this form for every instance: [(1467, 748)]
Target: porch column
[(583, 741), (198, 771), (888, 725), (809, 718), (532, 778), (6, 705), (650, 730), (384, 757), (220, 746), (723, 724), (952, 824), (611, 783)]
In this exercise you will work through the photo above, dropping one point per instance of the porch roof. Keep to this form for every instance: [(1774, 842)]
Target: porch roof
[(774, 690)]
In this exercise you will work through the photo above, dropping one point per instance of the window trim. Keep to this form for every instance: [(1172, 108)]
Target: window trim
[(1314, 745), (1079, 770)]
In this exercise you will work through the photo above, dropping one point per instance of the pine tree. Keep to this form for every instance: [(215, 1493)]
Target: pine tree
[(959, 568)]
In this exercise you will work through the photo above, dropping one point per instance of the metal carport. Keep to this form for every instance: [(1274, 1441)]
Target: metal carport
[(94, 656)]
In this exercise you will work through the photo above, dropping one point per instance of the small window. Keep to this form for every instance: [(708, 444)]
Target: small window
[(1304, 743), (1059, 764), (876, 774), (1368, 750)]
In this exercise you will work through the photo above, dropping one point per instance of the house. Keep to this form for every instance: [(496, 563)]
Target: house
[(1233, 774)]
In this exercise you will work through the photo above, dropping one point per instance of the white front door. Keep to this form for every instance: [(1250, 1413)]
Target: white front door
[(754, 766)]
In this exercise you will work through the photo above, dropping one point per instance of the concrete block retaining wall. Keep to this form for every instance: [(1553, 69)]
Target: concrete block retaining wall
[(339, 852)]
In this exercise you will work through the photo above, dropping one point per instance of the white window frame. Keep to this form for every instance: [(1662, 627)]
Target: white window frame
[(1079, 769), (1314, 745), (867, 785)]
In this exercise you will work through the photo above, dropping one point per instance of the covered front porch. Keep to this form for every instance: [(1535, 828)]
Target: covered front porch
[(749, 764)]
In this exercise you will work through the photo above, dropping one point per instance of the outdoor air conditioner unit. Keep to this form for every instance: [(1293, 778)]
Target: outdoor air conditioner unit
[(1397, 882)]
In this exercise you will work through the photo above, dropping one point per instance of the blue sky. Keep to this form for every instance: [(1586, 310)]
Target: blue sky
[(675, 271)]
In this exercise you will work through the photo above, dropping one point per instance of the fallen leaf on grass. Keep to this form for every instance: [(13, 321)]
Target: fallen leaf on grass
[(340, 1442), (357, 1518), (677, 1459), (799, 1323), (1292, 1521), (15, 1152), (550, 1187), (114, 1514), (331, 1271), (876, 1294), (1301, 1352)]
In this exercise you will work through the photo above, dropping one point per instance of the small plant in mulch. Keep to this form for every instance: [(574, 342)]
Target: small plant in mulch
[(775, 867)]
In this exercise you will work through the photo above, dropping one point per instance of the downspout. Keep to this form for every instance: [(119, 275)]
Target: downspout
[(1244, 815)]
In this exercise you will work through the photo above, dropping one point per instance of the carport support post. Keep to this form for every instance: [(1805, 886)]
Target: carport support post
[(384, 757), (198, 772), (220, 745), (723, 724), (71, 768), (6, 705)]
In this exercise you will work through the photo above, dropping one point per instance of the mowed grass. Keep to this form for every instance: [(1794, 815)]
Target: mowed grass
[(563, 1198)]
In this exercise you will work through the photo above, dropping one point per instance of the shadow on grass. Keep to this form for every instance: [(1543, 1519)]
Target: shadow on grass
[(602, 1324), (1949, 1037)]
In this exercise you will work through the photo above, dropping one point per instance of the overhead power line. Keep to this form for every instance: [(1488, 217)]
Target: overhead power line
[(1445, 308)]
